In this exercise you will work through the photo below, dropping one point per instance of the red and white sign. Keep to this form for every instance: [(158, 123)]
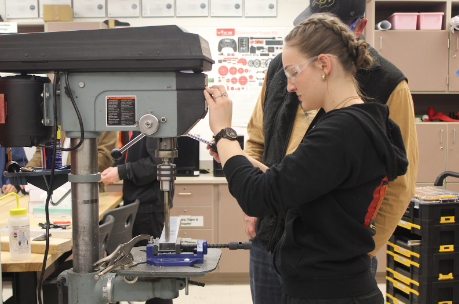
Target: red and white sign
[(226, 32)]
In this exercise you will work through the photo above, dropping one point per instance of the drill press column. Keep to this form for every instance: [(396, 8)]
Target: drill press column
[(85, 205)]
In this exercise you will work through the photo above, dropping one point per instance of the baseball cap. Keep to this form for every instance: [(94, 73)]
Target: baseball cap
[(346, 10)]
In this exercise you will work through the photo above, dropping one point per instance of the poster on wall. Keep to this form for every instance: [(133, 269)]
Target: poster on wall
[(242, 56)]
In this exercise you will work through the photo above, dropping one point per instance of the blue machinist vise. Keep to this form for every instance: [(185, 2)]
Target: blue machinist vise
[(170, 254)]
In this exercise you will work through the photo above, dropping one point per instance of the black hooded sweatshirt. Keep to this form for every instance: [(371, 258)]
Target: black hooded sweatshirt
[(329, 191)]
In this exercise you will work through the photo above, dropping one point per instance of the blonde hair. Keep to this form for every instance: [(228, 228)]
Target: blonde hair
[(324, 33)]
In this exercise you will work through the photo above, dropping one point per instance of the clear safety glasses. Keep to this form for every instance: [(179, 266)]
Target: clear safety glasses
[(292, 71)]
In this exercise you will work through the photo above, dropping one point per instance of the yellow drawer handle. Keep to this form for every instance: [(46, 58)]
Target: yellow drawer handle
[(402, 286), (446, 276), (401, 277), (408, 225), (445, 302), (447, 219), (403, 251), (444, 248), (402, 260), (396, 301)]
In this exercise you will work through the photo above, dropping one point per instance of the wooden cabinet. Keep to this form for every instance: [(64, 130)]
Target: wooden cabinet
[(438, 151), (221, 220), (195, 203), (231, 229), (421, 55), (432, 145)]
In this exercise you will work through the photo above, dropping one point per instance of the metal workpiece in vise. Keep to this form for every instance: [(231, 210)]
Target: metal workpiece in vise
[(185, 254)]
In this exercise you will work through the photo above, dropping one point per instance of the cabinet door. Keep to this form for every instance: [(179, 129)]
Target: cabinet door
[(421, 55), (432, 143), (454, 62), (452, 163), (231, 229)]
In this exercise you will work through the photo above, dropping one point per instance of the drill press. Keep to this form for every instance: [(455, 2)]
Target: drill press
[(128, 79)]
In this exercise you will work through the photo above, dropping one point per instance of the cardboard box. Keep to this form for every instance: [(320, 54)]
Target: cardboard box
[(53, 13)]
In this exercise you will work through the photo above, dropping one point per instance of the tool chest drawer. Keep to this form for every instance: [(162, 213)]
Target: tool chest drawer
[(193, 217), (193, 195), (429, 293), (435, 239), (431, 214), (437, 267)]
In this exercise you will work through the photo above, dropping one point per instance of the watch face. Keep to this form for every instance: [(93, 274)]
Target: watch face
[(231, 133)]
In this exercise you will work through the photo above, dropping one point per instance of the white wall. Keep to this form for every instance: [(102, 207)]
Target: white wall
[(287, 10)]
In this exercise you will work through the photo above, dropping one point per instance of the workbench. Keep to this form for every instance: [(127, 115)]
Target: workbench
[(25, 272)]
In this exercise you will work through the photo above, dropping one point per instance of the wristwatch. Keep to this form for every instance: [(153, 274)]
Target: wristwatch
[(226, 133)]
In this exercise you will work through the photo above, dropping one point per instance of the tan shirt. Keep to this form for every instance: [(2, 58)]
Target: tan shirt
[(399, 191)]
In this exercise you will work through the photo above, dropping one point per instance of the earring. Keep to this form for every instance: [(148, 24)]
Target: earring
[(324, 77)]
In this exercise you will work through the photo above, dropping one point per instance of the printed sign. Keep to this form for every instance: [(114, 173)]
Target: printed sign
[(8, 27), (191, 221)]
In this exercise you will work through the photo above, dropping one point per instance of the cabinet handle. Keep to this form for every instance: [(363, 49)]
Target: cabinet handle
[(184, 194), (380, 43), (454, 136), (441, 136), (457, 43)]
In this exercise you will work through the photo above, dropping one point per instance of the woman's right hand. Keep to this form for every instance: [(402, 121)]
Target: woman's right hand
[(213, 154)]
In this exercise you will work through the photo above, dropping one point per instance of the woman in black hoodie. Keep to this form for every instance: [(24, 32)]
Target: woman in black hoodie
[(330, 188)]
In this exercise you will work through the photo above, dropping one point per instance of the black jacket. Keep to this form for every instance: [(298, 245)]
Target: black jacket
[(138, 173), (329, 190), (280, 109)]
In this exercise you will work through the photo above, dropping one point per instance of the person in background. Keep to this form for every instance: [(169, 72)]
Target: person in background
[(137, 169), (278, 125), (330, 188), (16, 154), (106, 143)]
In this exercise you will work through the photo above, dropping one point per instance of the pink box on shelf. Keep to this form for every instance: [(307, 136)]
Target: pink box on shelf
[(403, 21), (430, 21)]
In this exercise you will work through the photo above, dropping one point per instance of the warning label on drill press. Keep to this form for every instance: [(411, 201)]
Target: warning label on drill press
[(121, 111)]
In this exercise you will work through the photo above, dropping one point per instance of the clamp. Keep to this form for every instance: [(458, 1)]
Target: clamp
[(120, 257)]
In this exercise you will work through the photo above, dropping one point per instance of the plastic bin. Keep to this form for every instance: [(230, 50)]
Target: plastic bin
[(403, 21), (430, 21)]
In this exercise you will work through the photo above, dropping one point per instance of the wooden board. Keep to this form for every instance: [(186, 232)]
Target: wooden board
[(56, 245), (34, 263)]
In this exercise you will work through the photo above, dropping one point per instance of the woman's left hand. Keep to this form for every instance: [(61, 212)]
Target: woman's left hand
[(220, 108)]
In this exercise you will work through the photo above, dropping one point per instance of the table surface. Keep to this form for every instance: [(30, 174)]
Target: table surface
[(107, 201)]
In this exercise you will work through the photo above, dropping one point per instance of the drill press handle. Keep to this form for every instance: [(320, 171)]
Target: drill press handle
[(118, 153)]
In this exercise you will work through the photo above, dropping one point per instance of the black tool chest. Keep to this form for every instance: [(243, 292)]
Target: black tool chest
[(423, 252)]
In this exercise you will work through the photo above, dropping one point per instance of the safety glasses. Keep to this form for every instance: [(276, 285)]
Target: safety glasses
[(353, 25), (292, 71)]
